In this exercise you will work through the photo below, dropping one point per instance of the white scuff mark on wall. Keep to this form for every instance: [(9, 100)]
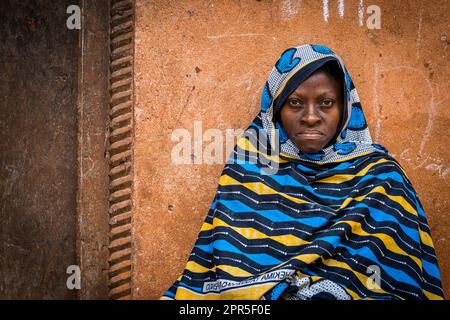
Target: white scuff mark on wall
[(435, 164), (326, 13), (290, 8), (419, 36), (219, 36), (341, 6), (376, 105), (439, 168), (361, 12)]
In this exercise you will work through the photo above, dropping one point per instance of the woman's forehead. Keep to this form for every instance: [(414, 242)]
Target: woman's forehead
[(319, 81)]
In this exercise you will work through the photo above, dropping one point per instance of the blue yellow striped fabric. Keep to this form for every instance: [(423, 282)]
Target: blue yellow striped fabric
[(337, 225)]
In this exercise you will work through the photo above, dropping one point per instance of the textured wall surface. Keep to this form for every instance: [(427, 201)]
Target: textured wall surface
[(207, 61), (53, 161), (38, 157), (93, 168)]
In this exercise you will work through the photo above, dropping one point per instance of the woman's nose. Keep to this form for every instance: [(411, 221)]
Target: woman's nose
[(310, 116)]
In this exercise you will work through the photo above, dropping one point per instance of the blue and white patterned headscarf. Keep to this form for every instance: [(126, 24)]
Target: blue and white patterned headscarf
[(293, 67)]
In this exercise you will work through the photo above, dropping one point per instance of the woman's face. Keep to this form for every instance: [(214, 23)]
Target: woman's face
[(311, 114)]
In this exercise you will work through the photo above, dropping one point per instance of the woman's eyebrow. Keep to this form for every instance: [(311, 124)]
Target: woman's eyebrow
[(328, 93), (322, 93)]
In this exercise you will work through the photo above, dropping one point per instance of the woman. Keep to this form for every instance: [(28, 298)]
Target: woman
[(307, 206)]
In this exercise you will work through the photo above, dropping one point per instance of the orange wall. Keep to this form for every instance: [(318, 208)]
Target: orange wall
[(207, 61)]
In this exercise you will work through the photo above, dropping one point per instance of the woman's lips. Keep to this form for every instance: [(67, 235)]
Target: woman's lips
[(311, 134)]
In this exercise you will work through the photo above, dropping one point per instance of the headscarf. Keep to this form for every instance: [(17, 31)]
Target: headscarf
[(343, 223)]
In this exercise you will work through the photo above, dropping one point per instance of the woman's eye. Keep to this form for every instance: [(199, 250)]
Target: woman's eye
[(295, 103), (327, 103)]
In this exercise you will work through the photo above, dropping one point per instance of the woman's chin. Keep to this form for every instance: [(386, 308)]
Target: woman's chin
[(309, 148), (311, 151)]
